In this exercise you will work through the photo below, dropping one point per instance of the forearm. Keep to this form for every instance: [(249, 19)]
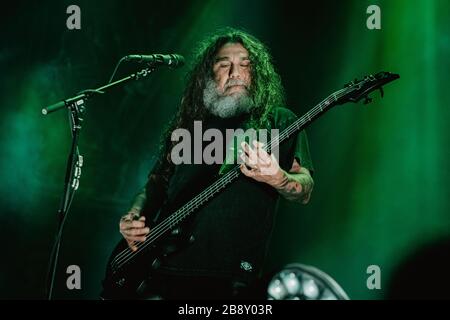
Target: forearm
[(295, 186), (139, 202), (150, 198)]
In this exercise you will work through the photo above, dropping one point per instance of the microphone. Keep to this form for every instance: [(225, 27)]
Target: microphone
[(170, 60)]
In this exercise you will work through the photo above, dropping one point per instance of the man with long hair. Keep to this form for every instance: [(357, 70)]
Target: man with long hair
[(231, 85)]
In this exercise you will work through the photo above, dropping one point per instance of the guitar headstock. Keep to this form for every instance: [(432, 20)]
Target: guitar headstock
[(359, 89)]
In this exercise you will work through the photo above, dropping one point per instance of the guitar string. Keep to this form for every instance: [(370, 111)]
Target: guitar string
[(178, 216)]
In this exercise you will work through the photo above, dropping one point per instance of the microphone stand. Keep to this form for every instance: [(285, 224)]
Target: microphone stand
[(76, 107)]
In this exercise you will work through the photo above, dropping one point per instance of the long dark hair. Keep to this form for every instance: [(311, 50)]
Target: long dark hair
[(266, 89)]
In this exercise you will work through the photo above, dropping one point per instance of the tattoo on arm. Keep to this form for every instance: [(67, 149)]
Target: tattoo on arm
[(297, 184)]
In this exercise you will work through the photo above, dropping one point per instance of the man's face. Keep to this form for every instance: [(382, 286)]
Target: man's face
[(232, 70)]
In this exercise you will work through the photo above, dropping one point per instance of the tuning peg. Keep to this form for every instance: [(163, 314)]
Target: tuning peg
[(367, 100), (381, 92)]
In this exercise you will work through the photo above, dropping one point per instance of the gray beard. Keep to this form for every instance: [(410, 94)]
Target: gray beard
[(226, 106)]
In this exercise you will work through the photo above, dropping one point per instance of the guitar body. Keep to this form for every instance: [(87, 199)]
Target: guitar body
[(126, 271)]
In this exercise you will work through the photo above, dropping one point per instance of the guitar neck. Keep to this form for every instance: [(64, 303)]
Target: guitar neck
[(306, 119)]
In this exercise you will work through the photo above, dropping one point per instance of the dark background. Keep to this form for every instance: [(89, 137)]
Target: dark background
[(381, 193)]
